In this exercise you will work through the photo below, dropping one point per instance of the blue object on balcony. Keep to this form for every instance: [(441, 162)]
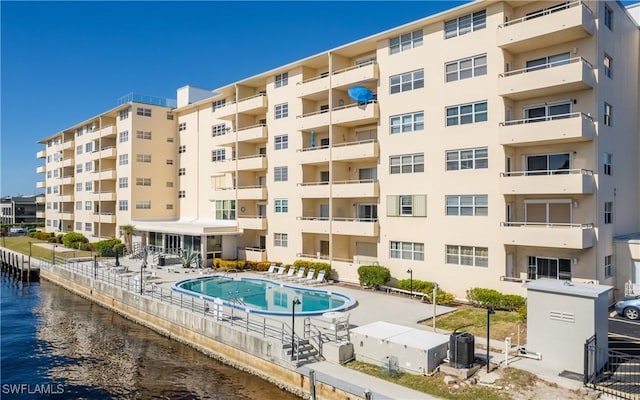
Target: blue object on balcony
[(313, 139), (360, 94)]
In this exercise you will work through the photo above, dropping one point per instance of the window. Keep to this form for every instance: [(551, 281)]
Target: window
[(281, 110), (466, 68), (169, 184), (182, 149), (123, 182), (546, 112), (554, 268), (406, 82), (88, 166), (79, 149), (144, 135), (123, 114), (467, 255), (466, 113), (78, 205), (182, 194), (607, 161), (78, 226), (608, 64), (88, 206), (282, 79), (406, 122), (169, 207), (280, 239), (548, 164), (123, 205), (143, 204), (282, 205), (79, 187), (218, 130), (182, 171), (476, 158), (218, 104), (608, 266), (405, 42), (143, 181), (281, 142), (78, 169), (281, 174), (123, 159), (467, 205), (406, 250), (170, 139), (78, 132), (145, 112), (608, 17), (169, 115), (218, 155), (608, 212), (548, 62), (88, 186), (49, 172), (182, 126), (169, 162), (407, 205), (225, 209), (123, 136), (88, 147), (144, 158), (56, 189), (465, 24), (88, 226), (607, 114), (406, 164)]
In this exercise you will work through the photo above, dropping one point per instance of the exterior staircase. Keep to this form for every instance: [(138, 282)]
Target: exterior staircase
[(303, 352)]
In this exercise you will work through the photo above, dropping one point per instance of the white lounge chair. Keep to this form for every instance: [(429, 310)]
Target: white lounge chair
[(299, 275), (272, 268), (289, 273), (309, 277), (281, 269), (319, 279)]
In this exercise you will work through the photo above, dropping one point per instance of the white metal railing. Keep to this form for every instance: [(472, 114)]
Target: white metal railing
[(255, 249), (546, 224), (104, 191), (354, 181), (315, 78), (338, 108), (343, 219), (546, 11), (545, 66), (326, 146), (244, 128), (548, 172), (547, 118), (364, 64), (344, 144), (248, 157), (97, 171), (104, 213)]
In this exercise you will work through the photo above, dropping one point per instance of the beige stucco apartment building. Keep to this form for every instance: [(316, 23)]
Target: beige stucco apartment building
[(499, 145)]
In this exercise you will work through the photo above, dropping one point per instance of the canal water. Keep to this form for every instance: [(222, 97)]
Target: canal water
[(56, 345)]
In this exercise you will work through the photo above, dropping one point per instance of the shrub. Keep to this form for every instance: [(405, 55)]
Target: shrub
[(426, 288), (40, 235), (262, 266), (119, 247), (373, 275), (522, 312), (318, 266), (87, 247), (72, 239), (481, 297), (104, 248)]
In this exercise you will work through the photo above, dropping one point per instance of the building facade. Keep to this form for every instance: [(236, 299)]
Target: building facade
[(22, 209), (493, 145)]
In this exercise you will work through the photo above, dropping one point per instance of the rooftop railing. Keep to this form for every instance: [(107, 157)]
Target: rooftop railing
[(153, 100)]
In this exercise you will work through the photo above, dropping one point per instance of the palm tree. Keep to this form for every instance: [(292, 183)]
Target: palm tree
[(127, 231)]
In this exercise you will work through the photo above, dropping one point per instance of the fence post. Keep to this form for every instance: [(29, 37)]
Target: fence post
[(248, 315)]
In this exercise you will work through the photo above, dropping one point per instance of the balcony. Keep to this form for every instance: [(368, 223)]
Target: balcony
[(314, 190), (67, 198), (254, 105), (563, 23), (572, 181), (368, 71), (356, 114), (248, 163), (107, 152), (228, 111), (105, 174), (105, 195), (312, 120), (249, 134), (41, 154), (106, 131), (314, 155), (41, 184), (68, 145), (315, 85), (547, 80), (252, 193), (67, 180), (68, 162), (340, 226), (353, 189), (41, 199), (254, 222), (365, 149), (574, 127), (66, 215), (560, 235), (253, 254), (105, 217), (41, 169), (40, 214)]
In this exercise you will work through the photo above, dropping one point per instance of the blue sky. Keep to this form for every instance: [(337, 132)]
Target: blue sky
[(63, 62)]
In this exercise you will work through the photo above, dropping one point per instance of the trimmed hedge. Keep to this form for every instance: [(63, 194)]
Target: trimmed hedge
[(373, 275), (104, 248), (41, 235), (481, 297), (71, 239), (318, 266), (426, 288)]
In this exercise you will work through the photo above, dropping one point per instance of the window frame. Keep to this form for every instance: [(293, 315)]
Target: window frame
[(281, 174), (281, 110), (463, 258), (476, 21), (280, 239), (406, 81), (406, 41), (608, 212), (408, 122), (472, 202), (399, 164), (281, 142), (281, 80), (218, 155), (460, 162), (398, 249), (462, 114), (281, 206), (474, 68)]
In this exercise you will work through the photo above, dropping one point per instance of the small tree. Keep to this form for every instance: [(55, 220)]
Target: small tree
[(189, 257), (373, 275), (127, 231)]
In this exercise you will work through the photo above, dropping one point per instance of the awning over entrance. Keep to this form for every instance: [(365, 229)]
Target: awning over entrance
[(194, 227)]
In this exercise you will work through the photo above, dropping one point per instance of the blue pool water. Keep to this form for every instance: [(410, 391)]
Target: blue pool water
[(264, 296)]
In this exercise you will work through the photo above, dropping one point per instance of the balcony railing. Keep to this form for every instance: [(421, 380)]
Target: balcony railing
[(548, 172), (544, 12), (544, 66), (351, 68), (315, 78), (548, 224), (546, 118)]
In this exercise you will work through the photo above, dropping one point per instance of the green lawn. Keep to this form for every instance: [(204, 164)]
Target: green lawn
[(474, 320), (21, 245)]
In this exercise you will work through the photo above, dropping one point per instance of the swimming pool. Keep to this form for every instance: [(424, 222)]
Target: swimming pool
[(263, 296)]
